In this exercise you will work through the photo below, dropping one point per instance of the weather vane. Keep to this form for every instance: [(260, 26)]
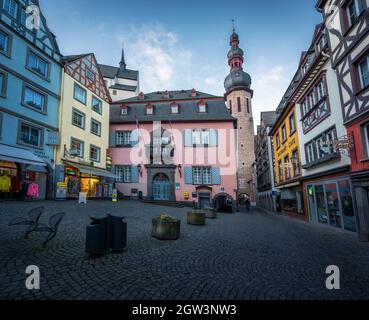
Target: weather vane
[(233, 28)]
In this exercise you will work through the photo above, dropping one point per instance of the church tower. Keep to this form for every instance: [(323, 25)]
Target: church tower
[(238, 96)]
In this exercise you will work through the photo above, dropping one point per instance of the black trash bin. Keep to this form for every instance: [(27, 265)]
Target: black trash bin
[(117, 233), (97, 236)]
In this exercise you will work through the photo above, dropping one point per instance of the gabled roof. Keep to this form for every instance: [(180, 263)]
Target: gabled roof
[(71, 58), (112, 72), (173, 96)]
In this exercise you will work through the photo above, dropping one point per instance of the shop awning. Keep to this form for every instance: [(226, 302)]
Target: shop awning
[(35, 168), (93, 171), (290, 185), (13, 154)]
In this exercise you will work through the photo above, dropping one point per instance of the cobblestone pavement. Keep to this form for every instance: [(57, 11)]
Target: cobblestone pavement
[(254, 255)]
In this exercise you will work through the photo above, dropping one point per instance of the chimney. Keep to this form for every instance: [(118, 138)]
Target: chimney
[(141, 96), (193, 93)]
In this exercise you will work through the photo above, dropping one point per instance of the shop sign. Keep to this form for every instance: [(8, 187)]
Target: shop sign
[(178, 186), (194, 194), (343, 144), (186, 195)]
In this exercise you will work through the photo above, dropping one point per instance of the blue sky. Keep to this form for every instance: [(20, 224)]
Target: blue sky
[(181, 44)]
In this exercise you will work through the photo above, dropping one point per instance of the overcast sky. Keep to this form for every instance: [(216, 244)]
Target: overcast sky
[(180, 44)]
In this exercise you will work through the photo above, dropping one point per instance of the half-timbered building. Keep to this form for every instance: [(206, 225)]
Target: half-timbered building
[(347, 23), (84, 129)]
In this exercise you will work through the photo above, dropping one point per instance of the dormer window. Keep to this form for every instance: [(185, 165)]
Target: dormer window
[(124, 111), (166, 95), (141, 96), (202, 107), (149, 110), (174, 108), (193, 93)]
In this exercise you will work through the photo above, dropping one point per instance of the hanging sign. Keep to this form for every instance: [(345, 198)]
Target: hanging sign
[(115, 195)]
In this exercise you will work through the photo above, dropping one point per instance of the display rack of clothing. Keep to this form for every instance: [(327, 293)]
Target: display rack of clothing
[(30, 190)]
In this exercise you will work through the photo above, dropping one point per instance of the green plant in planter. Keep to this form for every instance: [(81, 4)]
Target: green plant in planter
[(196, 217), (166, 227)]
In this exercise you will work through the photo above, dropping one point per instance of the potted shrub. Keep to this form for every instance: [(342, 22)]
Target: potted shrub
[(166, 227), (210, 213), (196, 217)]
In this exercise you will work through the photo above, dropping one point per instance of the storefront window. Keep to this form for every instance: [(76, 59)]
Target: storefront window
[(347, 206)]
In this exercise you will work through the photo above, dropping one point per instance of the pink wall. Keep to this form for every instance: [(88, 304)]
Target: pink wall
[(223, 157)]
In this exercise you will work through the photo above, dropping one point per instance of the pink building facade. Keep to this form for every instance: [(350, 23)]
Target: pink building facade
[(175, 146)]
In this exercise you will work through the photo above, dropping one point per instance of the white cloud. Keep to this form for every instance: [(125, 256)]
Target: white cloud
[(162, 61)]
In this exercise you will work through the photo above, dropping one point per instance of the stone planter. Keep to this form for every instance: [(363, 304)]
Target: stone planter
[(166, 229), (210, 213), (196, 218)]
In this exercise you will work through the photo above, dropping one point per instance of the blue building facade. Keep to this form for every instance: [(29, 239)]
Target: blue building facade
[(30, 84)]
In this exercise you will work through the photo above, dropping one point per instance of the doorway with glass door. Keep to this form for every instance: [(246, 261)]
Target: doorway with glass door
[(330, 203)]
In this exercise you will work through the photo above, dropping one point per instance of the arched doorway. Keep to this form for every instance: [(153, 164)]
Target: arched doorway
[(161, 187), (223, 202)]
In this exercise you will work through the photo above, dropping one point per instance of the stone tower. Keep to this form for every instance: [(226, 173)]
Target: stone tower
[(238, 96)]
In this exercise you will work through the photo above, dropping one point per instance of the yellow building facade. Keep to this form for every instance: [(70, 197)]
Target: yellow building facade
[(287, 166), (81, 158)]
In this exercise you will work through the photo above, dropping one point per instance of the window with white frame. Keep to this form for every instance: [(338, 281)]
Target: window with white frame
[(95, 153), (95, 127), (304, 107), (77, 146), (364, 72), (78, 119), (278, 141), (124, 111), (174, 108), (149, 110), (196, 137), (202, 107), (353, 11), (124, 173), (96, 105), (202, 175), (34, 99), (311, 98), (123, 138), (296, 163), (320, 147), (30, 135), (11, 8), (320, 88), (37, 64), (80, 94), (310, 153), (280, 171)]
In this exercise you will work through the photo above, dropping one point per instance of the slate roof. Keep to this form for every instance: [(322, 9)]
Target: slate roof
[(269, 118), (72, 58), (112, 72), (188, 111), (173, 96), (123, 87)]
